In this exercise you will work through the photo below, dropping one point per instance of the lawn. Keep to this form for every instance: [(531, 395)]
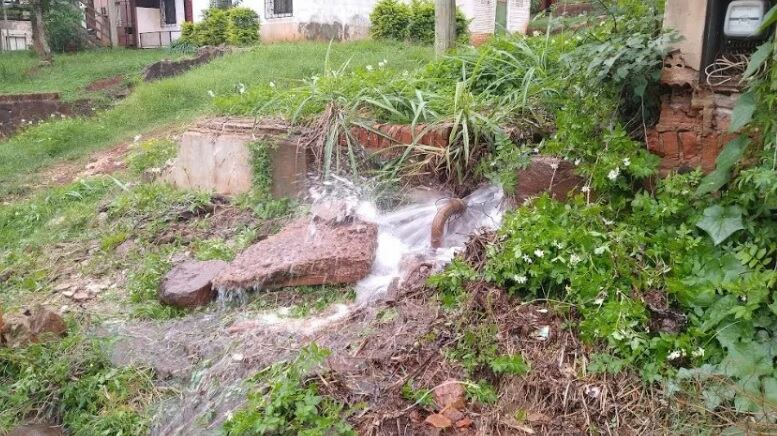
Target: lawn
[(71, 73), (183, 98)]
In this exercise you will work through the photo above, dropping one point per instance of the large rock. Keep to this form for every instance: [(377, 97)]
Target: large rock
[(189, 284), (548, 174), (31, 326), (306, 252)]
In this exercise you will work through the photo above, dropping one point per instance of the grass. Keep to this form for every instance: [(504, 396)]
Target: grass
[(180, 99), (71, 73)]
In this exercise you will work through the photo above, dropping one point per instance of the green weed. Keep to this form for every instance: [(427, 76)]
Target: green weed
[(284, 401), (72, 381)]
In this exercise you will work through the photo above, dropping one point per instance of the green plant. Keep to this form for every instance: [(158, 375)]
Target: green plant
[(63, 26), (284, 401), (73, 382), (422, 397), (151, 154), (390, 20), (243, 27), (421, 25)]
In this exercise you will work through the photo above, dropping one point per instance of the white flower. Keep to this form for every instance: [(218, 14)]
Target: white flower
[(136, 138), (211, 93), (586, 189), (241, 88), (574, 259), (607, 222), (272, 84), (699, 352), (314, 78), (369, 67), (676, 354), (577, 162), (385, 62), (626, 162), (554, 165), (613, 174), (599, 301), (539, 253), (381, 64), (526, 259), (536, 33), (520, 279), (600, 250)]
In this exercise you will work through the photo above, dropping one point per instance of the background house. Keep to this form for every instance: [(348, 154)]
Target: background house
[(289, 20), (142, 23), (15, 28)]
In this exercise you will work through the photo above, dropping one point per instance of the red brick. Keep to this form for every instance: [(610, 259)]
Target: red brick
[(691, 149)]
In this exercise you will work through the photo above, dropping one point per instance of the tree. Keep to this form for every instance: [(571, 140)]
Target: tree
[(444, 26), (39, 40)]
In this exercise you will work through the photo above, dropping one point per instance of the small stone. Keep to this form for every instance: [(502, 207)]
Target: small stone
[(438, 421), (81, 296), (69, 294), (32, 326), (63, 286), (189, 284), (102, 217), (126, 247), (237, 357)]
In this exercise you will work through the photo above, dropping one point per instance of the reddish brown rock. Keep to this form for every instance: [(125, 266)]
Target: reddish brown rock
[(107, 83), (548, 174), (189, 284), (305, 253), (32, 326)]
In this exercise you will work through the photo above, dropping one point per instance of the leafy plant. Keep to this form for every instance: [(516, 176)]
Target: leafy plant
[(151, 154), (389, 20), (63, 26), (285, 402), (73, 382), (243, 27)]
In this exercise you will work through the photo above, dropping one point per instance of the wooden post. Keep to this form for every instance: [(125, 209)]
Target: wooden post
[(444, 26)]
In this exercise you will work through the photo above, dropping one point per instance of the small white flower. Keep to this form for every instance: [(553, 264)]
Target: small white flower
[(535, 150), (272, 84), (136, 138), (626, 162), (229, 416), (599, 301), (520, 279), (676, 354), (613, 174), (536, 33), (699, 352), (314, 78), (385, 62), (554, 165), (599, 250), (607, 222), (539, 253), (577, 162), (369, 67), (574, 259), (241, 88), (586, 189), (381, 64), (526, 259), (211, 93)]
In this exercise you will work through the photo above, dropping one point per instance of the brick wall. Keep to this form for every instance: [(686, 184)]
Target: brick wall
[(384, 136), (692, 129)]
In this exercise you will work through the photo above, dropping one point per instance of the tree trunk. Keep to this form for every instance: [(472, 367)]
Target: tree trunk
[(444, 26), (39, 41)]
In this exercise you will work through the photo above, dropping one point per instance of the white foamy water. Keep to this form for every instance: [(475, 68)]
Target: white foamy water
[(404, 239), (405, 233)]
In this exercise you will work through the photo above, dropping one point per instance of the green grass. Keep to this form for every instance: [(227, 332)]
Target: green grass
[(181, 99), (71, 73)]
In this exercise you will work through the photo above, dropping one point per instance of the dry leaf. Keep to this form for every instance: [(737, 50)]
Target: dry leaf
[(438, 421)]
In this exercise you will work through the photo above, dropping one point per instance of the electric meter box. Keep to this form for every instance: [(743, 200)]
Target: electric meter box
[(744, 17)]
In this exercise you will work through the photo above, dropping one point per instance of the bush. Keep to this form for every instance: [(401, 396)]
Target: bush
[(238, 26), (394, 20), (390, 20), (243, 27), (63, 27)]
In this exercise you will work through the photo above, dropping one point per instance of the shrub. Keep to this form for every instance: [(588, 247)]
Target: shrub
[(421, 27), (63, 27), (394, 20), (238, 26), (243, 27), (390, 20)]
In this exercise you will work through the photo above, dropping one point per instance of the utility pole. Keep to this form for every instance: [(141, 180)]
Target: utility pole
[(444, 26)]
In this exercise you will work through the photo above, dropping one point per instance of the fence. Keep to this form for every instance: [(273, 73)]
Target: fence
[(161, 38)]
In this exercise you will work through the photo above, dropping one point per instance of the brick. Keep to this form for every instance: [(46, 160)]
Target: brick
[(691, 148)]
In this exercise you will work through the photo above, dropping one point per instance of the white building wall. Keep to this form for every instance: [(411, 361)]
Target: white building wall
[(482, 14), (15, 35), (518, 15), (150, 19)]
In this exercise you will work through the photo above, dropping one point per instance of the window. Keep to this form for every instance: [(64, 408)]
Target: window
[(168, 12), (279, 8)]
